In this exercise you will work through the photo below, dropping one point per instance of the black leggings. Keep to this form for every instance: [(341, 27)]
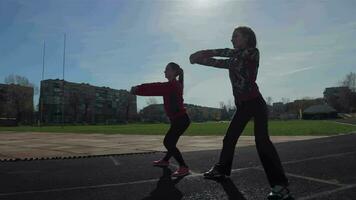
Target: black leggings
[(257, 109), (178, 126)]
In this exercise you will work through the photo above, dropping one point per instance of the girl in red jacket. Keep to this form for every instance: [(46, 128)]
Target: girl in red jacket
[(172, 92)]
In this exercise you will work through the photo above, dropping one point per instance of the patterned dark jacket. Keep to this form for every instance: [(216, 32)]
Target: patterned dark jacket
[(242, 65)]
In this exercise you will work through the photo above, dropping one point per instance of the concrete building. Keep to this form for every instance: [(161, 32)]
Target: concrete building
[(276, 109), (279, 107), (84, 103), (340, 98), (335, 92), (155, 113), (322, 111), (16, 103)]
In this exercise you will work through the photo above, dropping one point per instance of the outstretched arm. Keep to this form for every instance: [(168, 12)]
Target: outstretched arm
[(205, 57), (224, 52), (151, 89)]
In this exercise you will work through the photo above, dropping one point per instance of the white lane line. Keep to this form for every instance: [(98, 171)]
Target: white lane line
[(77, 188), (300, 160), (88, 187), (245, 168), (326, 193), (116, 163), (319, 157), (104, 185), (153, 180), (316, 179), (298, 176), (23, 172)]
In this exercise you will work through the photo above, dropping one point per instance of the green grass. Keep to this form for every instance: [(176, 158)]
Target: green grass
[(292, 128)]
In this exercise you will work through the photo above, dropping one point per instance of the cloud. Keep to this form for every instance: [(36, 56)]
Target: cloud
[(304, 45), (287, 46), (296, 71)]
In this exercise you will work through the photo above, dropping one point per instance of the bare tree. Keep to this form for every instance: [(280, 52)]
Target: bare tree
[(269, 101), (222, 105), (88, 101), (2, 100), (230, 105), (285, 100), (151, 101), (74, 103), (20, 80), (350, 81), (224, 111)]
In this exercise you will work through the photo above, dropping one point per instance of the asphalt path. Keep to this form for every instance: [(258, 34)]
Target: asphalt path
[(317, 169)]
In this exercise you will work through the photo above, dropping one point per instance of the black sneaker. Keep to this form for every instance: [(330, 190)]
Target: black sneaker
[(280, 193), (214, 173)]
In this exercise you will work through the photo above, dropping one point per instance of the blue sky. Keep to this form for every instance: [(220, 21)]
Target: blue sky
[(305, 45)]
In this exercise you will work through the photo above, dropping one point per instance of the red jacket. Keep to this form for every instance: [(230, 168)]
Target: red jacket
[(172, 92)]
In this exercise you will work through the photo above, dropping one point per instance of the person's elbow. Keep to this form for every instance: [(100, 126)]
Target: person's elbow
[(193, 58), (133, 90)]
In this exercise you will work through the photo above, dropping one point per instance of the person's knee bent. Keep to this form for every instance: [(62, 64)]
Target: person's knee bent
[(168, 144)]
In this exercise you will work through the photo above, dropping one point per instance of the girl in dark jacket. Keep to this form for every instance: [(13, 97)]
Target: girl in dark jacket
[(243, 62)]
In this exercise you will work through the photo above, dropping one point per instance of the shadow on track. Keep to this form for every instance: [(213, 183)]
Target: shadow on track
[(165, 188), (231, 190)]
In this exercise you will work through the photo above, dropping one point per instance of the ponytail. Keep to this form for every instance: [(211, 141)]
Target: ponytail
[(180, 72), (181, 76)]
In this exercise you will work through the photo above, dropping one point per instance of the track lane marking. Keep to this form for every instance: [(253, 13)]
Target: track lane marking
[(326, 193), (116, 163), (190, 176)]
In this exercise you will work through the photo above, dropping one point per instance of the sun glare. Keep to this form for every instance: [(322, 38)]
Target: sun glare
[(201, 3)]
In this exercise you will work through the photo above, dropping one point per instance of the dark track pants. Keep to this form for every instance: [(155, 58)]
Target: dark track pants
[(257, 109), (178, 126)]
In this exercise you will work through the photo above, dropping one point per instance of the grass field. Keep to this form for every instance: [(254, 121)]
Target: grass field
[(294, 127)]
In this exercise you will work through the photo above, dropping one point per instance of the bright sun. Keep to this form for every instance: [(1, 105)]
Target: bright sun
[(201, 3)]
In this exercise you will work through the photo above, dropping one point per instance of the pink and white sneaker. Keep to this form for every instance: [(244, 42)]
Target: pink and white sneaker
[(181, 171), (161, 163)]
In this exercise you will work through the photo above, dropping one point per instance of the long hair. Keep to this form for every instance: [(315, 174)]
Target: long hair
[(179, 72), (249, 34)]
